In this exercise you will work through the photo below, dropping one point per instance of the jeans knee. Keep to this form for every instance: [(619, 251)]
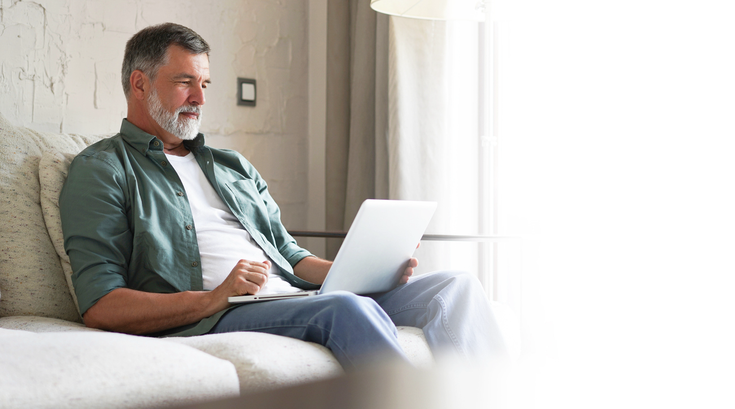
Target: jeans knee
[(451, 274), (352, 307), (347, 301), (455, 284), (467, 279), (461, 277)]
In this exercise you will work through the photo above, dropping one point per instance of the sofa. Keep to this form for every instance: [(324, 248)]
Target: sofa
[(50, 359)]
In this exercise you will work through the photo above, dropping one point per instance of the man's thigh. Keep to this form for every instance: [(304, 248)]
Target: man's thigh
[(303, 317), (354, 328)]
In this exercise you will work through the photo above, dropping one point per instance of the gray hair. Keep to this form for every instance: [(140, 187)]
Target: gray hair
[(146, 50)]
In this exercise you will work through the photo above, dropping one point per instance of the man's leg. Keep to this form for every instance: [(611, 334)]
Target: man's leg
[(453, 311), (354, 328)]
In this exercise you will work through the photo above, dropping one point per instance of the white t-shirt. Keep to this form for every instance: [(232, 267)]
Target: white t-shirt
[(222, 239)]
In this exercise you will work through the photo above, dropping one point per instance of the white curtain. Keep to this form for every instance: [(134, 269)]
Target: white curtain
[(433, 140), (402, 122)]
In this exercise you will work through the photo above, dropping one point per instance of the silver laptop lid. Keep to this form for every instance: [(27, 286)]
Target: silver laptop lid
[(378, 245)]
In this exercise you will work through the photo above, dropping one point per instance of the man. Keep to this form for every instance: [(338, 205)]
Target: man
[(162, 229)]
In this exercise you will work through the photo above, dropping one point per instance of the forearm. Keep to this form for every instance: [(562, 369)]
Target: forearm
[(138, 312), (312, 269)]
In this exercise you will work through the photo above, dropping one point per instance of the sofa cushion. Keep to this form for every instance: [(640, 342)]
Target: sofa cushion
[(107, 370), (31, 277), (267, 361), (262, 361)]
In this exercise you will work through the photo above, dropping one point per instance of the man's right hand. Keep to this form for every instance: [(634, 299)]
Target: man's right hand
[(247, 277)]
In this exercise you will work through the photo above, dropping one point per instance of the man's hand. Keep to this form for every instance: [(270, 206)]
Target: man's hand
[(247, 277), (412, 263)]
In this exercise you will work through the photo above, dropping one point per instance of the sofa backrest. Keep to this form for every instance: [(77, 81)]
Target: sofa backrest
[(32, 281)]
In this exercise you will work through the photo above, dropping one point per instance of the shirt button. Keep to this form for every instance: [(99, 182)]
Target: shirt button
[(189, 227), (194, 264), (179, 193), (156, 144), (164, 163)]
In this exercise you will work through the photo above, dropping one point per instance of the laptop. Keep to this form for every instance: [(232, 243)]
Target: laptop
[(375, 252)]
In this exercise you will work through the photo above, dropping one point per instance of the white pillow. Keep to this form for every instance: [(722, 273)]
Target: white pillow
[(53, 169)]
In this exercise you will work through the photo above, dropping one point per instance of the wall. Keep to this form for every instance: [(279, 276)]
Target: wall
[(60, 71)]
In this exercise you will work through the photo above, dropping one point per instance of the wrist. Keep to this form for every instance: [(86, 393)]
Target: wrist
[(212, 302)]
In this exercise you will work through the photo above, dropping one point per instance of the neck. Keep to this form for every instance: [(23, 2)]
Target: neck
[(177, 149)]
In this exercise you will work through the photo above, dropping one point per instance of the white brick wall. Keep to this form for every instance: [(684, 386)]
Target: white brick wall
[(60, 71)]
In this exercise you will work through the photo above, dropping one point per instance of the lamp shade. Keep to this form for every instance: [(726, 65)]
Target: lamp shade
[(432, 9)]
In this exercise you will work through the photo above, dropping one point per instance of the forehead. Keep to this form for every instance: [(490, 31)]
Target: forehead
[(181, 61)]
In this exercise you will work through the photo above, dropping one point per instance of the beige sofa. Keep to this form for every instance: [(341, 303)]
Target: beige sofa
[(48, 358)]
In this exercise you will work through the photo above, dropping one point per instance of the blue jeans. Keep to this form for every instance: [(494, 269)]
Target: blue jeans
[(450, 307)]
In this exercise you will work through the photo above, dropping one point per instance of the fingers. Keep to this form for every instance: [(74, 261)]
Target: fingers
[(250, 276), (247, 265), (412, 263)]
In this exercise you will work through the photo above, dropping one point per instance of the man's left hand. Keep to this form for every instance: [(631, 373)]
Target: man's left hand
[(412, 263)]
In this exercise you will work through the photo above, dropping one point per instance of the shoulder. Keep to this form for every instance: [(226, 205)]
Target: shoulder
[(96, 172), (97, 167), (106, 153)]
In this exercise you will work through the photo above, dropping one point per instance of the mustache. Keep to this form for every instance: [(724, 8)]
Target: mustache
[(190, 108)]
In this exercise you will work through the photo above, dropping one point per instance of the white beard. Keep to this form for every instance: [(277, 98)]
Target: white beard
[(181, 127)]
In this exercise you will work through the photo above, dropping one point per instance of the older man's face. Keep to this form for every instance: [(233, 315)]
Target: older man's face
[(176, 98)]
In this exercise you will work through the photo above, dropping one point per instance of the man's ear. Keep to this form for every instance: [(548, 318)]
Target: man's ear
[(139, 84)]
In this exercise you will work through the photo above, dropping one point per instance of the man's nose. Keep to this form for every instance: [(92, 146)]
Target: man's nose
[(197, 96)]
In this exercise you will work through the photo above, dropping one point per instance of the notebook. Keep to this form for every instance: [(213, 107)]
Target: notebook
[(375, 252)]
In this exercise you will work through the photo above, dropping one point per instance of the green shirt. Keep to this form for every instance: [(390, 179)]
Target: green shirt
[(127, 221)]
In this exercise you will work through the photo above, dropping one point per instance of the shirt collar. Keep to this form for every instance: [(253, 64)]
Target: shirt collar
[(143, 142)]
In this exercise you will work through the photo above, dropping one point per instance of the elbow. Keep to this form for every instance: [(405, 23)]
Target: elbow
[(92, 319), (104, 314)]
